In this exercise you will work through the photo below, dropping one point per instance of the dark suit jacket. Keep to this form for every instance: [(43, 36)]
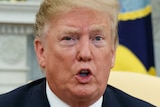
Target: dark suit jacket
[(34, 95)]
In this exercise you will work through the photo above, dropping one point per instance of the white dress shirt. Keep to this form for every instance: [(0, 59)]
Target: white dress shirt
[(54, 101)]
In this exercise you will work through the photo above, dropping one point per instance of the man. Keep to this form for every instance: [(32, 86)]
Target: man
[(75, 44)]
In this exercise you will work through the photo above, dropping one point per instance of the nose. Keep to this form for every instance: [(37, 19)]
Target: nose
[(84, 51)]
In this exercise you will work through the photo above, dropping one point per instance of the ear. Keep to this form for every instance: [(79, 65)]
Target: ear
[(39, 49), (113, 57)]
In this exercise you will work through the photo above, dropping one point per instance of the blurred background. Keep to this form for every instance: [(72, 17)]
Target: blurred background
[(18, 64)]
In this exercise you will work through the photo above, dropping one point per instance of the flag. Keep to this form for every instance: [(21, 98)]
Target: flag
[(135, 52)]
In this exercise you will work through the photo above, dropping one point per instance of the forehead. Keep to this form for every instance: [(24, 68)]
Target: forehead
[(82, 17)]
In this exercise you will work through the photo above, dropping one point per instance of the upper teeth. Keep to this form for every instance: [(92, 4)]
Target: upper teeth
[(84, 71)]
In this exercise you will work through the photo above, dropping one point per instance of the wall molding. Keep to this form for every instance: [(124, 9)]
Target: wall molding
[(16, 29), (18, 12)]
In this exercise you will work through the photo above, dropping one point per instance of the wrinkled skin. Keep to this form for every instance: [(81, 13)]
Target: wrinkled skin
[(77, 54)]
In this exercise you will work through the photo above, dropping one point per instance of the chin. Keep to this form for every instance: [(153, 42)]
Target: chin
[(85, 92)]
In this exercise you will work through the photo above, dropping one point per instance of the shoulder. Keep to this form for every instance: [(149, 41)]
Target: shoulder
[(119, 98), (20, 95)]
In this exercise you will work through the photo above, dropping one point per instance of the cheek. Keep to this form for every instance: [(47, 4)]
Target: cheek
[(58, 60), (104, 64), (105, 59), (57, 70)]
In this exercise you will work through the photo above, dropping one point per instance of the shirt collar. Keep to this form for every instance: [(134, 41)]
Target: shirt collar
[(54, 101)]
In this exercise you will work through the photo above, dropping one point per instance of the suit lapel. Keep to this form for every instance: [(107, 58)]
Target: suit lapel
[(37, 96)]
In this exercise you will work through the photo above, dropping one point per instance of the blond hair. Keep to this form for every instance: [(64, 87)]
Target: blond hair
[(49, 9)]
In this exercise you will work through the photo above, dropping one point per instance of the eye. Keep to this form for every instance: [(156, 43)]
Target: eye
[(98, 38), (98, 41), (68, 41), (67, 38)]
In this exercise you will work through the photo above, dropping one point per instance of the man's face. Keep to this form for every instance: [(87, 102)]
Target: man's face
[(77, 54)]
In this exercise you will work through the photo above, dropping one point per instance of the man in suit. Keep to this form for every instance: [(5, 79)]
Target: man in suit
[(75, 43)]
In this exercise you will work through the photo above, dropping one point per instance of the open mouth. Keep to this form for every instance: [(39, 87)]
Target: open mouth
[(84, 76), (84, 73)]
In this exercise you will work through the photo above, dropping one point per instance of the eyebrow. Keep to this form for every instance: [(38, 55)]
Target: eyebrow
[(92, 29), (70, 30), (97, 28)]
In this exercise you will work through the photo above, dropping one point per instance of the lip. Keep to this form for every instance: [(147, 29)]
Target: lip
[(84, 78)]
